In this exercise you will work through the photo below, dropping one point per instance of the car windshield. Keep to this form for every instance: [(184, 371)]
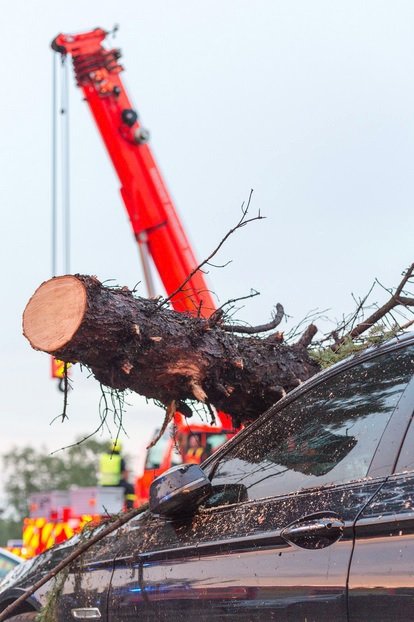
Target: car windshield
[(325, 436)]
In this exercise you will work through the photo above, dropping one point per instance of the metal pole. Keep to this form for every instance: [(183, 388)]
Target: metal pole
[(54, 166)]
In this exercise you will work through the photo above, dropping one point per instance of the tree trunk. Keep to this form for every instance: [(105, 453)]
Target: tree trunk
[(134, 343)]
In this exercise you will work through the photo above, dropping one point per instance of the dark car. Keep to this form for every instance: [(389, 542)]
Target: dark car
[(307, 514)]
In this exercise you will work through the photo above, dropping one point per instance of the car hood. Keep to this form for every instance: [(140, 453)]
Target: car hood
[(31, 571), (22, 575)]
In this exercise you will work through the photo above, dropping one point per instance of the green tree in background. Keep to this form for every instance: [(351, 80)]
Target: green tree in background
[(27, 470), (9, 530)]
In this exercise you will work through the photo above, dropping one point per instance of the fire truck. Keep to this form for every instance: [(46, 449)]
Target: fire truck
[(161, 240)]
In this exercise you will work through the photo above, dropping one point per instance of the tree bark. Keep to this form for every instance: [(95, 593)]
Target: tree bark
[(133, 343)]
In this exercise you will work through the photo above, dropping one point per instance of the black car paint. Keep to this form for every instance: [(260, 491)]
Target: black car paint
[(381, 586), (225, 565), (232, 562)]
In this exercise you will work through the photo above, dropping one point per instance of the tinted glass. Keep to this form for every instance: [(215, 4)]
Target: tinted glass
[(327, 435), (156, 454)]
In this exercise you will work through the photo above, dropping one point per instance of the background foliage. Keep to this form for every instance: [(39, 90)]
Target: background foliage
[(28, 469)]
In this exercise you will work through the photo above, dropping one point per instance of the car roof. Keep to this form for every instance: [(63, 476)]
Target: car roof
[(376, 349), (395, 343), (10, 556)]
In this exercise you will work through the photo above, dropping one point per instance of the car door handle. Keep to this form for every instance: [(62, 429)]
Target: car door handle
[(86, 613), (315, 531)]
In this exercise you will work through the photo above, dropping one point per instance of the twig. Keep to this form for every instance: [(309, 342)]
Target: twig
[(262, 328), (64, 414), (355, 315), (307, 336), (310, 317), (218, 313), (224, 265), (242, 222), (212, 414), (103, 413), (169, 414), (395, 300)]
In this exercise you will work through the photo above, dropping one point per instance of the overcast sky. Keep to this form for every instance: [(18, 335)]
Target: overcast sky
[(310, 103)]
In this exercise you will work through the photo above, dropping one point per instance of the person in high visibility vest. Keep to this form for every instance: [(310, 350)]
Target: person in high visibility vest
[(113, 472), (195, 452)]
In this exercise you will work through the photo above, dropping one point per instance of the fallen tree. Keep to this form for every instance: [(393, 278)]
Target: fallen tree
[(119, 336), (135, 343)]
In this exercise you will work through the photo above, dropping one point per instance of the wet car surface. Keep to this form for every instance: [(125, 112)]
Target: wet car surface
[(310, 517)]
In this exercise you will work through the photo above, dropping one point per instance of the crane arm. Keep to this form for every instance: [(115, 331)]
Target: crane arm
[(154, 220)]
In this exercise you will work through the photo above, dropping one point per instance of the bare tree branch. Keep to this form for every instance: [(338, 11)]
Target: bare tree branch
[(307, 336), (395, 300), (242, 222), (169, 415), (252, 330), (311, 318)]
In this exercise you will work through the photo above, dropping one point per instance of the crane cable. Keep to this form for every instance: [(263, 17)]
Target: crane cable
[(60, 186), (65, 164), (54, 168)]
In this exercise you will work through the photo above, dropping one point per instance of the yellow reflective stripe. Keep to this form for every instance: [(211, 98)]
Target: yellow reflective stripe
[(28, 534), (50, 542), (46, 531), (69, 532)]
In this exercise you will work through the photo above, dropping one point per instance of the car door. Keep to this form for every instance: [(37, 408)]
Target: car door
[(84, 593), (381, 580), (274, 540)]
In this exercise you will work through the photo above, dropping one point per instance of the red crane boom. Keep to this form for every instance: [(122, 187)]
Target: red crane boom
[(154, 220)]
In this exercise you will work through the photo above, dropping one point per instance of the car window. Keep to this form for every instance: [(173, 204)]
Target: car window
[(7, 563), (155, 455), (214, 441), (327, 435)]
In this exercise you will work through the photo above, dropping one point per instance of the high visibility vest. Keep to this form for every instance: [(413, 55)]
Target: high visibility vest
[(109, 469), (193, 455)]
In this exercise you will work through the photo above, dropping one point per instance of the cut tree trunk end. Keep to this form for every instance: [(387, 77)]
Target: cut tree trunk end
[(133, 343)]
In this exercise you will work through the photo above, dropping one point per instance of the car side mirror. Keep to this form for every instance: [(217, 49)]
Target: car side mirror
[(179, 491)]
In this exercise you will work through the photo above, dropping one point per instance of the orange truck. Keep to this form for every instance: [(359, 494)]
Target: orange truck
[(56, 515)]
